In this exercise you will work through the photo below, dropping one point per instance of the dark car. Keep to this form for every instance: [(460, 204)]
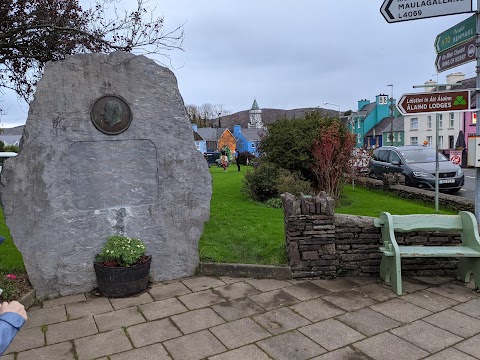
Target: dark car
[(417, 163)]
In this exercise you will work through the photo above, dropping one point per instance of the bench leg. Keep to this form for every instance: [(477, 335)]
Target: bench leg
[(467, 266), (396, 274), (385, 268)]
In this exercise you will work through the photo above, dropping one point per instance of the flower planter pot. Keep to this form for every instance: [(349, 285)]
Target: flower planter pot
[(122, 281)]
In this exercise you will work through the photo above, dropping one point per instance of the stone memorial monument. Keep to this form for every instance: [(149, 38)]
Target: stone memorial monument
[(107, 149)]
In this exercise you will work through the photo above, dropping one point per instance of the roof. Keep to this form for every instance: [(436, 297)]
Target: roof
[(10, 139), (196, 136), (255, 105), (210, 134), (252, 134), (385, 124)]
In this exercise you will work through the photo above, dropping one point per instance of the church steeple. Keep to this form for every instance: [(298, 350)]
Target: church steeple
[(255, 113)]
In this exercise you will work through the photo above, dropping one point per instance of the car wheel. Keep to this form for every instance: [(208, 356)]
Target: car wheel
[(453, 191), (372, 175)]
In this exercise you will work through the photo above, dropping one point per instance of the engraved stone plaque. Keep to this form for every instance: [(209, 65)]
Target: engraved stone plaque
[(111, 115), (107, 174)]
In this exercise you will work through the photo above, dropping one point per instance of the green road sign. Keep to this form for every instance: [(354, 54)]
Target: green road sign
[(457, 34)]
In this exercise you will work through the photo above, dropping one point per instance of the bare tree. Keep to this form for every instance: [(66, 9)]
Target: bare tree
[(33, 32)]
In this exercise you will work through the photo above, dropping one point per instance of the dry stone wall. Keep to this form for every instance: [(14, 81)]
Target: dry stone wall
[(320, 243)]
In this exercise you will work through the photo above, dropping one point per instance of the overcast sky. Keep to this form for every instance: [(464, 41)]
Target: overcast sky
[(291, 54)]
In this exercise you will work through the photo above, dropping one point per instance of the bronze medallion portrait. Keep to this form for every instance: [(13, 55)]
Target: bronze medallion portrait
[(111, 114)]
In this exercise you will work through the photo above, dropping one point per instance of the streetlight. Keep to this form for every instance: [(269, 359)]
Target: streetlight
[(391, 114), (326, 103)]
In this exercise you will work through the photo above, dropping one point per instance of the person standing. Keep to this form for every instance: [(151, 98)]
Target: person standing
[(237, 158), (12, 318)]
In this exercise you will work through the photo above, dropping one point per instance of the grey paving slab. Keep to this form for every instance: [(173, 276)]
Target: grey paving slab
[(202, 283), (161, 309), (45, 316), (70, 330), (450, 354), (268, 284), (306, 291), (316, 310), (368, 322), (152, 332), (12, 357), (455, 322), (118, 319), (401, 310), (201, 299), (62, 351), (152, 352), (337, 284), (471, 308), (363, 280), (107, 343), (426, 336), (230, 280), (122, 303), (331, 334), (411, 285), (237, 309), (63, 300), (239, 333), (244, 353), (236, 290), (454, 291), (281, 320), (346, 353), (470, 346), (434, 280), (26, 339), (88, 307), (194, 346), (430, 301), (291, 346), (162, 292), (349, 300), (378, 292), (197, 320), (273, 299), (388, 346)]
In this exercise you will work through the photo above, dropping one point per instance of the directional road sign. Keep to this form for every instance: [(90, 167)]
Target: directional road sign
[(456, 56), (437, 101), (405, 10), (457, 34)]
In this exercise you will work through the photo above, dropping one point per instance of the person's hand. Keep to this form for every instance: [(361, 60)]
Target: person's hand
[(15, 307)]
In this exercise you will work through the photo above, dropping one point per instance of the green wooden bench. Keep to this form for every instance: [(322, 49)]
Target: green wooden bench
[(468, 251)]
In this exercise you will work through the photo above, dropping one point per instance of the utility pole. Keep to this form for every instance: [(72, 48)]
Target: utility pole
[(391, 115)]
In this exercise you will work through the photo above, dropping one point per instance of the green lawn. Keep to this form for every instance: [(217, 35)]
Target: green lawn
[(10, 258)]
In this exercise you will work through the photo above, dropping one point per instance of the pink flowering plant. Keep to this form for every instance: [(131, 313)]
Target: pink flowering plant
[(122, 251)]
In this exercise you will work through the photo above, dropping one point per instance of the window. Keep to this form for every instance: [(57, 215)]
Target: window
[(394, 157), (253, 145), (430, 139), (399, 137), (429, 121), (450, 142), (414, 140), (440, 142), (440, 121), (359, 139), (451, 122), (384, 155), (474, 118), (358, 124), (414, 124)]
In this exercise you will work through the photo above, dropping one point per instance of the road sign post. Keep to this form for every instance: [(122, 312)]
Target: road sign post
[(456, 56), (456, 35), (405, 10), (434, 102)]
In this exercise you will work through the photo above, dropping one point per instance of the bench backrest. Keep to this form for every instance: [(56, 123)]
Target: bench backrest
[(465, 223)]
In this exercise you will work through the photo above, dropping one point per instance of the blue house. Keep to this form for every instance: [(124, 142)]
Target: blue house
[(248, 139), (369, 115)]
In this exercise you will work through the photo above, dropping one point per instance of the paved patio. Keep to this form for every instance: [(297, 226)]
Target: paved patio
[(236, 318)]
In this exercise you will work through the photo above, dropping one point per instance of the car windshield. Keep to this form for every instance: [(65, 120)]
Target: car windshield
[(421, 155)]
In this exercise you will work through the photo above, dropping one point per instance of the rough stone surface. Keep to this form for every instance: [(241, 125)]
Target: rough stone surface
[(72, 186)]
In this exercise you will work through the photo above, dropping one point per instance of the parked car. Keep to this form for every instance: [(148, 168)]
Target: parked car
[(211, 158), (417, 164)]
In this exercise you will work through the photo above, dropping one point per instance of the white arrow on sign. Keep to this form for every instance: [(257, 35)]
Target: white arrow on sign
[(405, 10)]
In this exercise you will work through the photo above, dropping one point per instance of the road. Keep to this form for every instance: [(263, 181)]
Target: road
[(468, 190)]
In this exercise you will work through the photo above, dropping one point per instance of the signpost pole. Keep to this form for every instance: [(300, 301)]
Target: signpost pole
[(436, 162), (477, 95)]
